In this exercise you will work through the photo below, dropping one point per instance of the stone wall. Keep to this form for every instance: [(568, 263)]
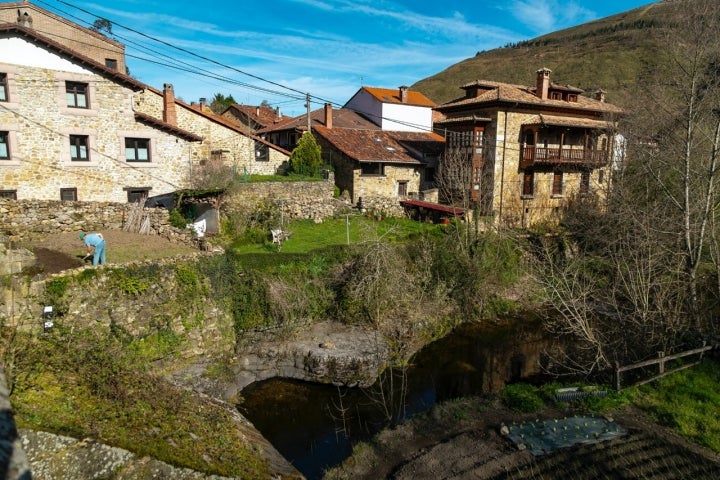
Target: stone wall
[(23, 220), (296, 200)]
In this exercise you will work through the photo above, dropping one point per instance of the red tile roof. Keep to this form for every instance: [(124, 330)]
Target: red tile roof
[(388, 95), (161, 125), (264, 116), (382, 145), (498, 92), (341, 118)]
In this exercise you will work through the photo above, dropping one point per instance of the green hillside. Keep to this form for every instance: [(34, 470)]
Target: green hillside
[(610, 53)]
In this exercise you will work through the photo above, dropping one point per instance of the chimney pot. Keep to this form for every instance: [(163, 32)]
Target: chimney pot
[(600, 95), (543, 83)]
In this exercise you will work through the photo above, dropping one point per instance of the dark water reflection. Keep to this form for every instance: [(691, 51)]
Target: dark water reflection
[(314, 426)]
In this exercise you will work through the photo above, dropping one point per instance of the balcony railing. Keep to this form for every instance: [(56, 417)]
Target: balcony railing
[(536, 156)]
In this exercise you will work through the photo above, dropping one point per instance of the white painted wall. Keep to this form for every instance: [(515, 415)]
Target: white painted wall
[(408, 118), (17, 51)]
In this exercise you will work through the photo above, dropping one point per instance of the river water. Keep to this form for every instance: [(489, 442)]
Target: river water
[(314, 426)]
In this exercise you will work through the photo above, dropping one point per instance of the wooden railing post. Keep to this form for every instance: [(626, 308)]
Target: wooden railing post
[(661, 362), (703, 351)]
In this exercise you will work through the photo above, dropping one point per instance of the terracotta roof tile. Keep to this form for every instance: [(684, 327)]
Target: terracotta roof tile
[(388, 95), (382, 145), (506, 92), (264, 116), (341, 117)]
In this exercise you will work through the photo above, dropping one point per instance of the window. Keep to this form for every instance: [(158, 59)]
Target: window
[(76, 95), (79, 151), (555, 95), (585, 182), (371, 169), (4, 146), (402, 188), (601, 176), (137, 150), (528, 187), (68, 194), (262, 152), (111, 63), (557, 185), (9, 194), (137, 195), (4, 87)]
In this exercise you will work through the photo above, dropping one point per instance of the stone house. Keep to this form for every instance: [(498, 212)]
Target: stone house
[(252, 118), (376, 165), (223, 140), (397, 110), (74, 128), (530, 149), (68, 129)]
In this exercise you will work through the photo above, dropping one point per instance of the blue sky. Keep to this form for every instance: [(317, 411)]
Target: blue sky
[(277, 50)]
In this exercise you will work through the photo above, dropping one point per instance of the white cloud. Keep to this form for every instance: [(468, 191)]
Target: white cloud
[(544, 16)]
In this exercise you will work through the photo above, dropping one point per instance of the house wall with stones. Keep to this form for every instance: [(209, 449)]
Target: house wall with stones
[(85, 41), (39, 125), (523, 211), (221, 139)]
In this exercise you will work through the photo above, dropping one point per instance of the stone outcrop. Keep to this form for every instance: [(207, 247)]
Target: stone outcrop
[(326, 352)]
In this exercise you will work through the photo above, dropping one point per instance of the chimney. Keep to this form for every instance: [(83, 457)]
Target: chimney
[(24, 19), (278, 115), (203, 101), (403, 94), (600, 95), (169, 113), (328, 115), (543, 83)]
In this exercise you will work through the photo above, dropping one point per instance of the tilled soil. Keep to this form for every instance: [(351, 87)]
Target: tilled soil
[(62, 251)]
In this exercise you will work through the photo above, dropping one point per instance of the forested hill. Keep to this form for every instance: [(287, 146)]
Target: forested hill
[(611, 53)]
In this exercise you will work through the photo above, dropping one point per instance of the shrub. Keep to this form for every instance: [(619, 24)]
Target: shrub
[(522, 397)]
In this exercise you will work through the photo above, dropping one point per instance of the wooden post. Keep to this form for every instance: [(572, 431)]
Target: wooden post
[(617, 376), (661, 362), (703, 351)]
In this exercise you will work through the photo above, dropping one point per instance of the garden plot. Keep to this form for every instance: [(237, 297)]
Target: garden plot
[(545, 436)]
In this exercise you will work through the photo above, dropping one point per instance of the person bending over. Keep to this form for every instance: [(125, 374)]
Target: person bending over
[(95, 244)]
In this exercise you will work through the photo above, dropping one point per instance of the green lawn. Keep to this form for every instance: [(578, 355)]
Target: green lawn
[(307, 236)]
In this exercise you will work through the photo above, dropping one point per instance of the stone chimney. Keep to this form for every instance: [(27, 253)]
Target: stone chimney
[(600, 95), (169, 112), (328, 115), (403, 94), (257, 111), (543, 83), (24, 19), (202, 101), (278, 115)]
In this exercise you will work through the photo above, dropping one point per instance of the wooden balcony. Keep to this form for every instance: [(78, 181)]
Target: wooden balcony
[(532, 155)]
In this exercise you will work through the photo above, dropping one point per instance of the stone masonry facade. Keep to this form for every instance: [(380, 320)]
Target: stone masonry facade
[(40, 127), (524, 211), (220, 140)]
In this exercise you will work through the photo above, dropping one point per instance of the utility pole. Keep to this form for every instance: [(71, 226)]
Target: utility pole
[(307, 105)]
